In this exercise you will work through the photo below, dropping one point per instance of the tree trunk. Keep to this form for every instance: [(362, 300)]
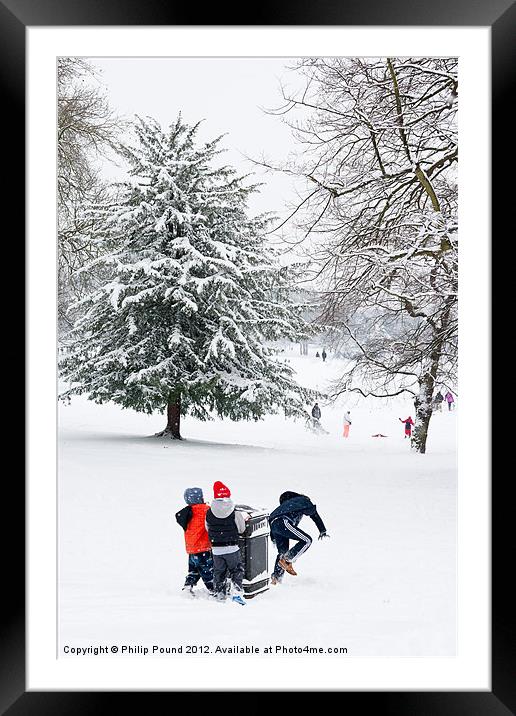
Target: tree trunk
[(172, 428), (424, 401), (423, 406)]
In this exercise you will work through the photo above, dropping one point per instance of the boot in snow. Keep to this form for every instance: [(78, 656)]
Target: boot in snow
[(287, 566)]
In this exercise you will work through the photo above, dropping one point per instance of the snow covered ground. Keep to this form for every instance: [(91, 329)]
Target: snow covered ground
[(383, 585)]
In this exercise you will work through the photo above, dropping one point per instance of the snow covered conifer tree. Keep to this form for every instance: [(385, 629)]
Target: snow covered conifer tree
[(194, 295)]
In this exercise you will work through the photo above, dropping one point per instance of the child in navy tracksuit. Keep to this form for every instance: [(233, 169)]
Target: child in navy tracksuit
[(284, 521)]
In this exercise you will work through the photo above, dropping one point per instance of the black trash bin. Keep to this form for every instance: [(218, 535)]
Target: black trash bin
[(254, 545)]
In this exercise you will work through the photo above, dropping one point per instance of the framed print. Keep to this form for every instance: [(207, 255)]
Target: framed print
[(251, 325)]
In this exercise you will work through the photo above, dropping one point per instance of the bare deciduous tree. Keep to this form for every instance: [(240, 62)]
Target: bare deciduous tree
[(379, 217), (86, 129)]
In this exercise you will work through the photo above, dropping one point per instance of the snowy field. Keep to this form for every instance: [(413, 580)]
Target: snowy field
[(382, 585)]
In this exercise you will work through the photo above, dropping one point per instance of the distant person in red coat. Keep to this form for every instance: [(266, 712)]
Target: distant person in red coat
[(408, 426), (449, 399)]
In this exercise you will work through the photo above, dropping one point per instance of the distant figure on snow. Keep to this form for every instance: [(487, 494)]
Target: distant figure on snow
[(313, 423), (224, 525), (323, 355), (317, 355), (449, 399), (198, 546), (284, 522), (408, 426), (316, 412), (347, 423), (438, 400)]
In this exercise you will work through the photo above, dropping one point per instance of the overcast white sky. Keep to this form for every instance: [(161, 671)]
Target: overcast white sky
[(228, 93)]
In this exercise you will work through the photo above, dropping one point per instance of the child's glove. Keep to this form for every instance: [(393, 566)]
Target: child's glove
[(323, 534)]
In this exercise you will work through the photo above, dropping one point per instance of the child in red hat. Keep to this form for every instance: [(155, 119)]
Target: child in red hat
[(220, 491), (225, 525)]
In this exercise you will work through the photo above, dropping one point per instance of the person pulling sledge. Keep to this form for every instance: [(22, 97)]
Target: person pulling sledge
[(284, 521), (323, 355), (313, 421), (316, 412), (408, 426)]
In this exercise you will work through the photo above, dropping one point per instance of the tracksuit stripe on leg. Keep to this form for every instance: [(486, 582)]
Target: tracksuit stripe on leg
[(300, 536)]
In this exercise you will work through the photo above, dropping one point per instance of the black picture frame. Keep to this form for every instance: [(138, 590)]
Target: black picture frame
[(500, 16)]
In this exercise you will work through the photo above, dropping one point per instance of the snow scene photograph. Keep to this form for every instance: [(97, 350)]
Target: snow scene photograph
[(257, 356)]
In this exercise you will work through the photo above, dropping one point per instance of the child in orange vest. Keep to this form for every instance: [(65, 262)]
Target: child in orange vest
[(198, 546)]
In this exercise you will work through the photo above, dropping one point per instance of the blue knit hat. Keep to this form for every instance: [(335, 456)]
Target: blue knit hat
[(193, 496)]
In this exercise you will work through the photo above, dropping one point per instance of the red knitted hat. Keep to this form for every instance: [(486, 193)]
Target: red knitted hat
[(220, 490)]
